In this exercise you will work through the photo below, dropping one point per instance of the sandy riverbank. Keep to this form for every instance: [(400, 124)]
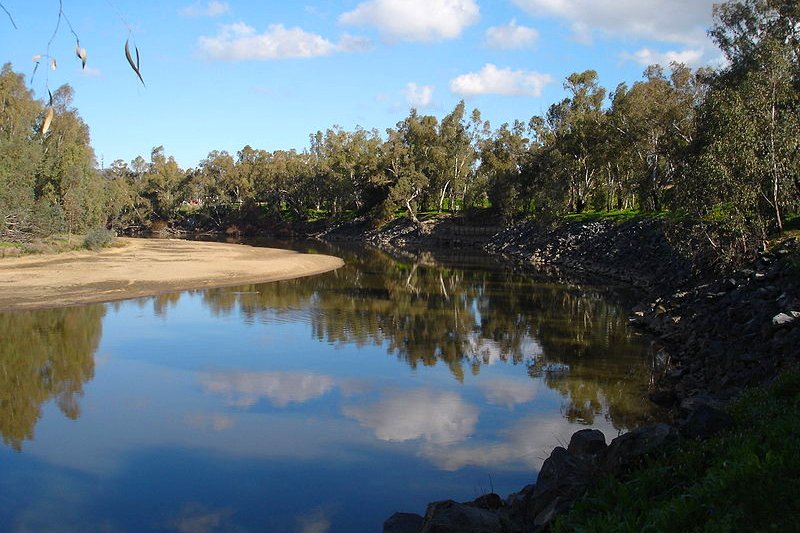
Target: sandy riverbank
[(145, 267)]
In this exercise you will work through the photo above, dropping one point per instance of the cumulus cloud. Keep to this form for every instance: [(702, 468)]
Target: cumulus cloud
[(244, 389), (239, 41), (683, 21), (414, 20), (509, 392), (691, 57), (419, 96), (438, 417), (511, 36), (528, 442), (209, 9), (502, 81)]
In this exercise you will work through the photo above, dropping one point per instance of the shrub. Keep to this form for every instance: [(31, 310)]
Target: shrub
[(99, 238)]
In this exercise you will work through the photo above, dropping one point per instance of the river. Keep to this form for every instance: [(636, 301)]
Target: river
[(321, 404)]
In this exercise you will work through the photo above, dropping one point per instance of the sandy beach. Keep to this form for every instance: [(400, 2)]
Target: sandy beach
[(144, 267)]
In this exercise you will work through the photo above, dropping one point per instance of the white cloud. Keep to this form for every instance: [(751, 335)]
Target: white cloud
[(509, 392), (511, 36), (438, 417), (503, 81), (238, 42), (419, 96), (414, 20), (244, 389), (209, 9), (691, 57), (682, 21)]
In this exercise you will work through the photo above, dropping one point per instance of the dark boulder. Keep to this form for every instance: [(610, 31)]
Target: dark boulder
[(705, 420), (587, 442), (563, 478), (630, 448), (403, 523), (453, 517)]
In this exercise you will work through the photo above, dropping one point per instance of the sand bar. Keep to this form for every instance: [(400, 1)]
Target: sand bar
[(144, 267)]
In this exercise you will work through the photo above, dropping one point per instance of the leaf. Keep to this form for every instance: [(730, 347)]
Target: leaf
[(48, 118), (134, 65), (53, 63), (50, 104), (37, 57), (81, 53)]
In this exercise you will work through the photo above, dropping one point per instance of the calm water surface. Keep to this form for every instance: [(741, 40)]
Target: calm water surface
[(311, 405)]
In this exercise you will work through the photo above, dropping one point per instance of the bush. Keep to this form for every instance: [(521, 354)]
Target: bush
[(99, 238)]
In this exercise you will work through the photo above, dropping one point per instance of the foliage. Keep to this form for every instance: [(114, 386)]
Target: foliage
[(99, 238), (743, 480), (711, 146)]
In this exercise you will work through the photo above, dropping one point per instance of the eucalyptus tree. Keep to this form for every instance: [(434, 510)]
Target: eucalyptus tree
[(66, 175), (577, 126), (164, 184), (19, 152), (458, 157), (502, 160), (747, 155), (651, 126)]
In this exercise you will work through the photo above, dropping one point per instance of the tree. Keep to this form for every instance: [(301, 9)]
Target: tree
[(19, 152), (746, 158)]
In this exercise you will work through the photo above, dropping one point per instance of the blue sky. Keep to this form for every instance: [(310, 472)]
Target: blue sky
[(224, 74)]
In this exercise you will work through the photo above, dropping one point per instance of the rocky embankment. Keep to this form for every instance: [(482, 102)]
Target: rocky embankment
[(724, 330)]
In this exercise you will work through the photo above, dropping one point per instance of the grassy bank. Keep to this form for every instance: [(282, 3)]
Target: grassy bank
[(59, 243), (746, 479)]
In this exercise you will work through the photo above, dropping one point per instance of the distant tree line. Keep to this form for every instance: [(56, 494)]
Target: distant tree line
[(713, 145)]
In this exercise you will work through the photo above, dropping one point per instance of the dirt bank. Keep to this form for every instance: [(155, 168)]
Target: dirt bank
[(145, 267)]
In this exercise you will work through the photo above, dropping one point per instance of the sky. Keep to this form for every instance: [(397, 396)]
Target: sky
[(220, 74)]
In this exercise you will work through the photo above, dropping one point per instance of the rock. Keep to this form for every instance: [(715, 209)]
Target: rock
[(704, 421), (587, 442), (663, 397), (563, 478), (453, 517), (490, 502), (783, 319), (403, 523), (630, 448)]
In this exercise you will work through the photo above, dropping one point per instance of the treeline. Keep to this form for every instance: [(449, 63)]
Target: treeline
[(717, 145)]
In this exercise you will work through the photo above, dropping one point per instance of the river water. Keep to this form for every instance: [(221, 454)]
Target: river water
[(310, 405)]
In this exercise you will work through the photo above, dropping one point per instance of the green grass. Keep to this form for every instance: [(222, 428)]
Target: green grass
[(792, 223), (747, 479), (618, 216)]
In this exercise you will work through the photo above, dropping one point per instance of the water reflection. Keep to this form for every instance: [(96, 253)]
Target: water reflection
[(437, 417), (44, 355), (210, 403), (427, 314)]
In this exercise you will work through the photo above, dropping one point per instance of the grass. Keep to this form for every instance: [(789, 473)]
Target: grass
[(60, 243), (618, 216), (792, 223), (746, 479)]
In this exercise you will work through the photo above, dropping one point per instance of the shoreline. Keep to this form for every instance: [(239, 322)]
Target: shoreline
[(146, 267)]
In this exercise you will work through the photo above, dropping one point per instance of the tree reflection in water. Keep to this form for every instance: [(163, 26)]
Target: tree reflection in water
[(44, 355), (420, 311), (427, 313)]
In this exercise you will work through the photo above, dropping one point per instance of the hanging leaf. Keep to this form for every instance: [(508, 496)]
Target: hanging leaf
[(48, 118), (37, 57), (50, 104), (81, 53), (53, 63), (134, 65)]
